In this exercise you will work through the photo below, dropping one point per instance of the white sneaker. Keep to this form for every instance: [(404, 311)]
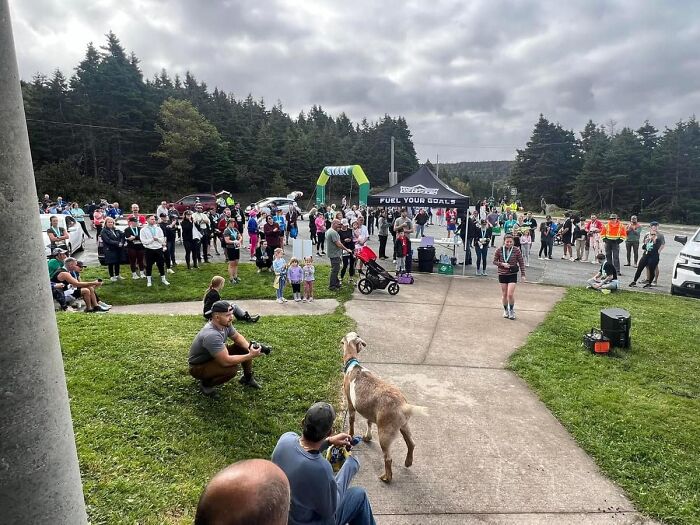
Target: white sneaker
[(164, 281), (303, 300), (114, 279), (149, 282), (511, 315), (484, 274), (478, 272), (506, 314), (134, 275), (143, 275), (297, 300), (104, 305), (120, 277), (280, 300), (170, 270), (311, 299), (571, 259)]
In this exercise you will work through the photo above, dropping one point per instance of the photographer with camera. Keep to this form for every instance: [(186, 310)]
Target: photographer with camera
[(212, 361)]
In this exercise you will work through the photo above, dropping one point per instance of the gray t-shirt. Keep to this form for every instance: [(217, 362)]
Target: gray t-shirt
[(209, 342), (331, 237)]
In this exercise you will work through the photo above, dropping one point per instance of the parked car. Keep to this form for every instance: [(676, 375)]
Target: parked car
[(121, 225), (77, 236), (207, 200), (686, 268), (264, 205)]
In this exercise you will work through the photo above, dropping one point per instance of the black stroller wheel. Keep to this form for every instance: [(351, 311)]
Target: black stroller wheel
[(364, 286), (393, 288)]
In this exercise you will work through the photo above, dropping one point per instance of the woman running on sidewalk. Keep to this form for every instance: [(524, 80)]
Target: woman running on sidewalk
[(509, 260)]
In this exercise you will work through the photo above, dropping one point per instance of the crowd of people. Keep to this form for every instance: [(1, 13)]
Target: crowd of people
[(299, 484)]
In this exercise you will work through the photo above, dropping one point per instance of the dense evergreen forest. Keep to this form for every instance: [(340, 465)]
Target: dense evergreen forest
[(654, 175), (107, 132), (478, 179)]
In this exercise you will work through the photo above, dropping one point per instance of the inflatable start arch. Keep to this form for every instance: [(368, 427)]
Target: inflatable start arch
[(339, 171)]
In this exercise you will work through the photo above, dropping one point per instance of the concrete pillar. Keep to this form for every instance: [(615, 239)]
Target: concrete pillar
[(39, 475)]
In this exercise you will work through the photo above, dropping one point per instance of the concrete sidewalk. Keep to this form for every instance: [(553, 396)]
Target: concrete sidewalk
[(254, 306), (490, 451)]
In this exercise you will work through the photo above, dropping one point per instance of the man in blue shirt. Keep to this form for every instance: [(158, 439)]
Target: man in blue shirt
[(318, 497)]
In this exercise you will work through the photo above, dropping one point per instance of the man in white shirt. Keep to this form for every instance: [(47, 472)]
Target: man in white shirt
[(154, 243)]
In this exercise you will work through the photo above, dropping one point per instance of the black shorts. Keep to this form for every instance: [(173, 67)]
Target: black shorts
[(233, 254), (508, 278)]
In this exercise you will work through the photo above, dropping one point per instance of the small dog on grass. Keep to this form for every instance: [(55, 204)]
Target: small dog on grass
[(377, 401)]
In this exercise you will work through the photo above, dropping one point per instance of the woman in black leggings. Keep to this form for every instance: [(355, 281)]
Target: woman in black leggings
[(649, 259)]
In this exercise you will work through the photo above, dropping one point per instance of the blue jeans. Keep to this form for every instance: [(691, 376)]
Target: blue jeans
[(481, 254), (420, 230), (355, 508), (280, 290)]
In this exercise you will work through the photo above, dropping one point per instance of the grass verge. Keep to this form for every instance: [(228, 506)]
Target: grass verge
[(190, 285), (637, 412), (147, 440)]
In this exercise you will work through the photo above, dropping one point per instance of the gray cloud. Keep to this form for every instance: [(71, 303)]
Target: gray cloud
[(470, 77)]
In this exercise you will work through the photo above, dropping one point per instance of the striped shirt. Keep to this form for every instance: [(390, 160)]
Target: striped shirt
[(515, 259)]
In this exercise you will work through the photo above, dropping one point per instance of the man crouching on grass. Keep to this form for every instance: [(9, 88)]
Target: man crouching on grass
[(214, 362)]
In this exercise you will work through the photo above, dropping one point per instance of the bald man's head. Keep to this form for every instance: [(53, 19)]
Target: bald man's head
[(251, 492)]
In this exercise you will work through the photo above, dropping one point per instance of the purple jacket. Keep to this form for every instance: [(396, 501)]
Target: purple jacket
[(295, 274)]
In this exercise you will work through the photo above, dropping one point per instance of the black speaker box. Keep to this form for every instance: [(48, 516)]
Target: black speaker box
[(615, 323)]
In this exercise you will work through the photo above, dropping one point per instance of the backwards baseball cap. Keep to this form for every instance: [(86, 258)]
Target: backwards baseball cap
[(81, 264), (133, 219), (58, 251), (344, 222), (654, 223), (318, 421), (219, 307), (613, 216)]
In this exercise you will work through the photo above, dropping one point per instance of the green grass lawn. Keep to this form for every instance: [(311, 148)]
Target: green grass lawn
[(147, 440), (636, 412), (191, 285)]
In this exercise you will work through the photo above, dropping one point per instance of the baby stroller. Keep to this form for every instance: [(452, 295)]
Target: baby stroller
[(376, 277)]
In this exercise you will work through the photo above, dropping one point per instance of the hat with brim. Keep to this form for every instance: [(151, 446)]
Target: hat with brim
[(58, 251), (613, 216), (81, 264), (219, 307), (654, 223)]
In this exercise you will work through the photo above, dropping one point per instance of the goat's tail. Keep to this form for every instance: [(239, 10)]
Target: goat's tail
[(415, 410)]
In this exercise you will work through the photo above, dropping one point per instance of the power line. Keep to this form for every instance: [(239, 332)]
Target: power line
[(485, 146), (92, 126)]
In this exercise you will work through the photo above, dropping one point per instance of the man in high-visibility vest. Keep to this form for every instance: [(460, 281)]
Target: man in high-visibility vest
[(613, 234)]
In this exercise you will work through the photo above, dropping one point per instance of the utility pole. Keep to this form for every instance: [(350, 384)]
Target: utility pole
[(437, 165), (393, 176), (39, 474)]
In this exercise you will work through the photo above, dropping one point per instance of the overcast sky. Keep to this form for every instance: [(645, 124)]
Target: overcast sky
[(471, 77)]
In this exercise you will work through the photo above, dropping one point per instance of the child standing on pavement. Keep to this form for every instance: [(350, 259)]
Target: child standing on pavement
[(525, 244), (295, 275), (279, 266), (400, 251), (309, 279)]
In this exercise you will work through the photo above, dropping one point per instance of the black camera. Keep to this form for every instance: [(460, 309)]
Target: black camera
[(265, 349)]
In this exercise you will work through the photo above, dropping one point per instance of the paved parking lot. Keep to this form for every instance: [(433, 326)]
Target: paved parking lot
[(555, 272)]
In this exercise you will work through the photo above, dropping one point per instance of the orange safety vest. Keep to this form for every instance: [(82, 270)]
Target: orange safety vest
[(614, 231)]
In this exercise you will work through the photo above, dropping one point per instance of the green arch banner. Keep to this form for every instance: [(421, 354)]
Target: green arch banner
[(342, 171)]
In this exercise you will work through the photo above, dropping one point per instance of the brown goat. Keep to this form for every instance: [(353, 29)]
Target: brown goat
[(377, 401)]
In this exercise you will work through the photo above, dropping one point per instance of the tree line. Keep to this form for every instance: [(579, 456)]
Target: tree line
[(107, 131), (645, 172)]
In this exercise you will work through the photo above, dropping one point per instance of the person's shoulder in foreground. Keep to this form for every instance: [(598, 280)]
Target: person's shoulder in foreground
[(251, 492)]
